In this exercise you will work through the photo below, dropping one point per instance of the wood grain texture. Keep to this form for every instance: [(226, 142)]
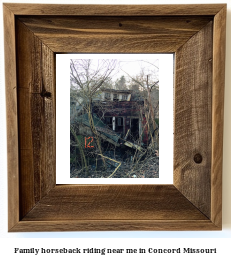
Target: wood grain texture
[(218, 115), (35, 66), (114, 207), (11, 116), (194, 201), (193, 125), (114, 10), (114, 225), (114, 202), (115, 34)]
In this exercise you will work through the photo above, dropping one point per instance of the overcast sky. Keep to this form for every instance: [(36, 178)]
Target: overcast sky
[(133, 67), (127, 64)]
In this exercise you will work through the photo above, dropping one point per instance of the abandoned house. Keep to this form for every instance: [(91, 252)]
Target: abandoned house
[(122, 113), (116, 114), (121, 118)]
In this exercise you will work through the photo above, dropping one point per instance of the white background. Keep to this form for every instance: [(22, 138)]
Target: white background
[(63, 119), (219, 239)]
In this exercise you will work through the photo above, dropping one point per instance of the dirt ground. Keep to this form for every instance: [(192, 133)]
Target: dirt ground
[(147, 168)]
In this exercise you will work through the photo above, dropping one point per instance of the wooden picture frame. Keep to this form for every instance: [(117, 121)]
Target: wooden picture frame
[(34, 33)]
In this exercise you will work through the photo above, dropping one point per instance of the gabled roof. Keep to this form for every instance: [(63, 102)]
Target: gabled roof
[(117, 91)]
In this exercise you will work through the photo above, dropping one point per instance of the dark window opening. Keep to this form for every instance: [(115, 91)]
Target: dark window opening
[(134, 128), (119, 121), (107, 96), (108, 121), (119, 124), (115, 97)]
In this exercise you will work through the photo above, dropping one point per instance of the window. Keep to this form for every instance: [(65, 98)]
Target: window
[(119, 121), (115, 97), (124, 97), (107, 96), (108, 121)]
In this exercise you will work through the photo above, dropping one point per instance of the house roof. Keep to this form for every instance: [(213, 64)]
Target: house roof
[(99, 125), (117, 91)]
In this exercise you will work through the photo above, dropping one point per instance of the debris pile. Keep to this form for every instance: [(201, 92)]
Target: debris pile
[(121, 166)]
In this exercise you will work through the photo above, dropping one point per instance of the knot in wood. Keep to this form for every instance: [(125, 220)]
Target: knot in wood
[(198, 158), (45, 94)]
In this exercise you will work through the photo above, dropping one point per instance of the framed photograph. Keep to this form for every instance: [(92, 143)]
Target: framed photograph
[(122, 144), (108, 128)]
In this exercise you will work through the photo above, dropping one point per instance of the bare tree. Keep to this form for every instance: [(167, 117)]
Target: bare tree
[(87, 80), (147, 85), (87, 77)]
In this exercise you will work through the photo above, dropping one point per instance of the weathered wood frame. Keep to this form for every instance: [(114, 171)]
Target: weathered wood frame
[(33, 34)]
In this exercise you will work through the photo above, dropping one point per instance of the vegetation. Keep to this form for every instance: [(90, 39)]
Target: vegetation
[(88, 80)]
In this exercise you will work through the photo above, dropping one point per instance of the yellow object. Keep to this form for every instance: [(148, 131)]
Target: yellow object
[(134, 146), (114, 161)]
